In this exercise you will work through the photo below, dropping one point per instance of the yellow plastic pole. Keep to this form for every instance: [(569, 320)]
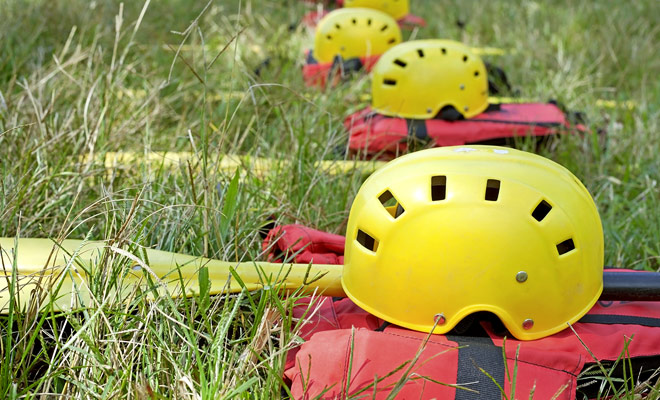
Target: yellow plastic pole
[(259, 166), (38, 271)]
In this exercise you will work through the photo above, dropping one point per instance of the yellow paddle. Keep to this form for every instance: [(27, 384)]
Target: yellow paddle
[(259, 166), (44, 268)]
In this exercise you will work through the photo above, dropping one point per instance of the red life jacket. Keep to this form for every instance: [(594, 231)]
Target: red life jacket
[(347, 350), (304, 244), (341, 360), (372, 133), (319, 74)]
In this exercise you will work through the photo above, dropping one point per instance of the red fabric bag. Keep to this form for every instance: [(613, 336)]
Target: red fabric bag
[(347, 349), (317, 74), (373, 133), (305, 244)]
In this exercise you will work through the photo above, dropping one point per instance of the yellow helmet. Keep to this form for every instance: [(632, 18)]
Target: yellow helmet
[(354, 33), (396, 8), (439, 234), (417, 79)]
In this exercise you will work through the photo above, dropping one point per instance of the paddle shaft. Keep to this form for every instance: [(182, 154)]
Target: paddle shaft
[(630, 286), (40, 265), (42, 259), (227, 163)]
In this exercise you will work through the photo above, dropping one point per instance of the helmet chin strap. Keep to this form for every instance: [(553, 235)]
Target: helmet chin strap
[(449, 113)]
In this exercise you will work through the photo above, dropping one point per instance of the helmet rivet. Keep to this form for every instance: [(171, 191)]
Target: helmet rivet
[(429, 111), (440, 319), (465, 108), (528, 324), (521, 276), (462, 86)]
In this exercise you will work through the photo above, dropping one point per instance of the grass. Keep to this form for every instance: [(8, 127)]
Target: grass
[(81, 78)]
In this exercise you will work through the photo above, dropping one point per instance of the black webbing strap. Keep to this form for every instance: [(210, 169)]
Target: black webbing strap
[(310, 58), (498, 82), (611, 319), (475, 353), (492, 107), (351, 65), (344, 67), (417, 129), (382, 326), (522, 123)]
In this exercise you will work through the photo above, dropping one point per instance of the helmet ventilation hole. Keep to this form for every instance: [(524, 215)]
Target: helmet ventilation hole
[(465, 58), (329, 37), (392, 40), (390, 82), (384, 28), (420, 53), (337, 26), (354, 21), (492, 190), (476, 73), (400, 63), (391, 204), (366, 240), (443, 50), (541, 210), (438, 187), (369, 22), (565, 246)]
